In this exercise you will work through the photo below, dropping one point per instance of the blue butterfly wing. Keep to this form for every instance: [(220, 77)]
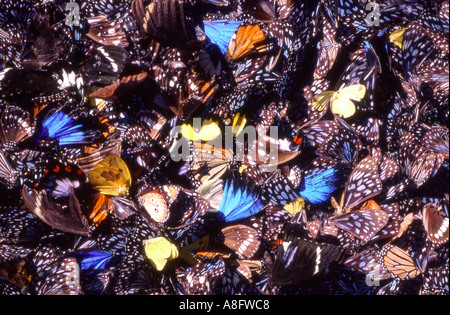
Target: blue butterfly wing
[(317, 188), (238, 203), (220, 32), (93, 259), (62, 128)]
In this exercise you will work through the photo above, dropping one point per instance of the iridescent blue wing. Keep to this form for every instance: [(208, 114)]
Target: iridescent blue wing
[(317, 188), (62, 128), (238, 202), (92, 259), (220, 32)]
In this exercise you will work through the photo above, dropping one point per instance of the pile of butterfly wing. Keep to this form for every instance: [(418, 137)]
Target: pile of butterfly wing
[(128, 163)]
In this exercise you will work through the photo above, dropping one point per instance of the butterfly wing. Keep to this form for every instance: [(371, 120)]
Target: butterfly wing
[(435, 223), (317, 188), (363, 184), (354, 92), (111, 176), (242, 239), (362, 224), (398, 262), (342, 103), (321, 100), (64, 281), (247, 40), (301, 261), (238, 202), (68, 219), (159, 250), (220, 32)]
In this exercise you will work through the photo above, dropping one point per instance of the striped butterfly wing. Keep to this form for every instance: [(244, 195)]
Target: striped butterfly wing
[(302, 260)]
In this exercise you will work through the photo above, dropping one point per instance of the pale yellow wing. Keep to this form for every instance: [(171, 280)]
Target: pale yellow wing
[(343, 106), (321, 100), (354, 92), (159, 250)]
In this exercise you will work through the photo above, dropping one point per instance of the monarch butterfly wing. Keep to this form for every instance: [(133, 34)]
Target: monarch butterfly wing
[(398, 262), (247, 40)]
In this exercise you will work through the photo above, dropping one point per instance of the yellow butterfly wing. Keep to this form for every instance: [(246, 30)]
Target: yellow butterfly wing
[(239, 122), (354, 92), (159, 251), (397, 37), (295, 206), (321, 100), (111, 176), (343, 106), (209, 130)]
